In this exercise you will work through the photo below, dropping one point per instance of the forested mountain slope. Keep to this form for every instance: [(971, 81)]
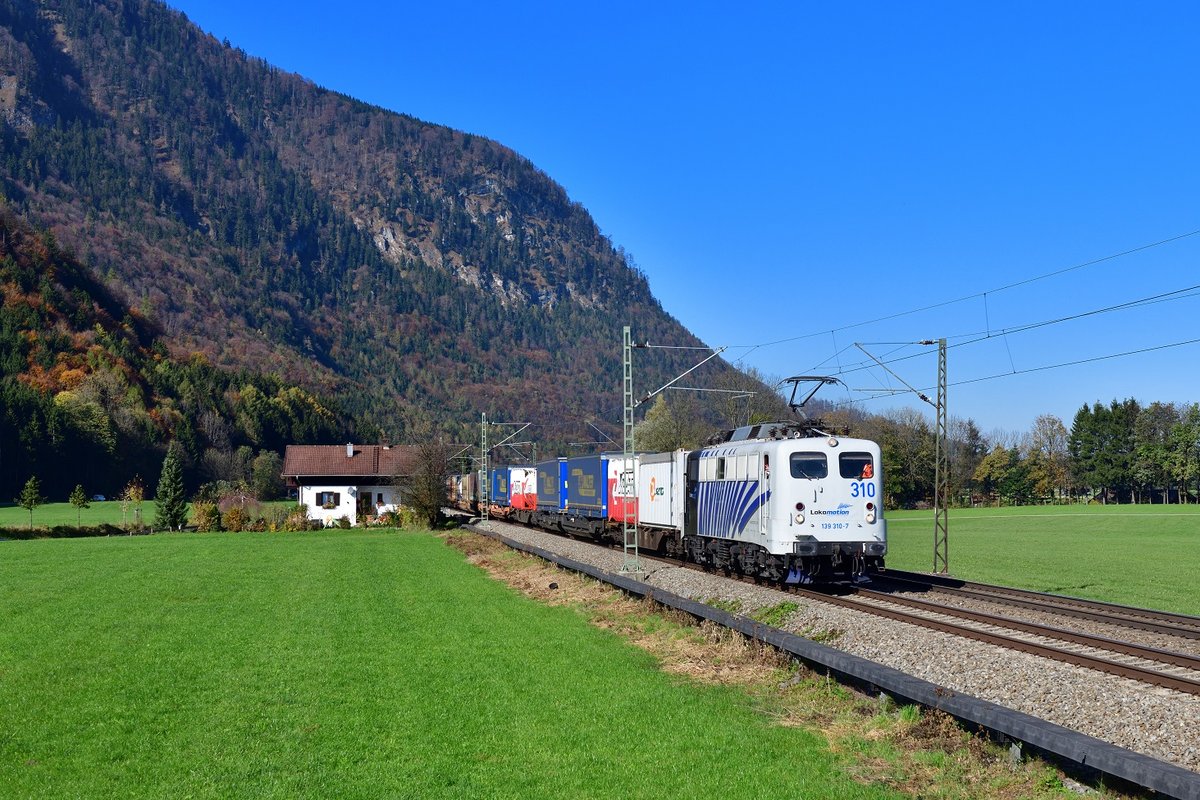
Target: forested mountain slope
[(90, 395), (418, 274)]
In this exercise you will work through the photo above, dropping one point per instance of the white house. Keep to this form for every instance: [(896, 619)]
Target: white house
[(352, 481)]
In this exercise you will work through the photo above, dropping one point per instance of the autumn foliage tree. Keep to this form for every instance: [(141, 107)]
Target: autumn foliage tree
[(424, 488)]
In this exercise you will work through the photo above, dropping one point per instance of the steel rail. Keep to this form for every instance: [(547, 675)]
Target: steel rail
[(1131, 671)]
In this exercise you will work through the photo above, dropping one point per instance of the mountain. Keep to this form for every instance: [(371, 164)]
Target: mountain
[(417, 274), (89, 393)]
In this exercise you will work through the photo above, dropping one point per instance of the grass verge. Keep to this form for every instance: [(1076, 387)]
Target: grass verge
[(918, 753)]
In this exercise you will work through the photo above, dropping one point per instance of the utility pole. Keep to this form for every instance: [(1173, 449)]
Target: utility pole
[(484, 489), (941, 470), (632, 565), (941, 473)]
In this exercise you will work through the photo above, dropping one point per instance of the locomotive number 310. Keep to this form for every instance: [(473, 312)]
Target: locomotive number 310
[(862, 489)]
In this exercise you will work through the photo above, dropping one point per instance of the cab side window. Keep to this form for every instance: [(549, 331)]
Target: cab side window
[(856, 466), (809, 465)]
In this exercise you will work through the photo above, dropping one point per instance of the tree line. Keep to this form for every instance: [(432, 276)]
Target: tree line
[(1122, 452)]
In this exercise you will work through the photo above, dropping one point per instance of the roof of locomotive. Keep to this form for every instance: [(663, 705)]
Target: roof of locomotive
[(805, 429)]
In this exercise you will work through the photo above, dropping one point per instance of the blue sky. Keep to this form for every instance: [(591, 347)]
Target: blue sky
[(787, 171)]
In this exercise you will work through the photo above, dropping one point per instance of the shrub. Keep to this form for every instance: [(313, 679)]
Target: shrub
[(241, 500), (235, 519), (63, 532), (343, 522), (275, 518), (410, 518), (206, 516), (297, 520)]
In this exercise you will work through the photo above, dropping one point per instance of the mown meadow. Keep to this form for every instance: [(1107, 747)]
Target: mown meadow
[(349, 664), (98, 512), (1142, 555)]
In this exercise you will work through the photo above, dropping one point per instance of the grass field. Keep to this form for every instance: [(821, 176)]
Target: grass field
[(363, 664), (1146, 555), (99, 513), (51, 514), (1138, 555)]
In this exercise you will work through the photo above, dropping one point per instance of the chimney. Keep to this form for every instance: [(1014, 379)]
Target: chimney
[(349, 450)]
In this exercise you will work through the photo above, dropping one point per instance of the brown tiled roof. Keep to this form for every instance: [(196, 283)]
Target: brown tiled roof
[(369, 460)]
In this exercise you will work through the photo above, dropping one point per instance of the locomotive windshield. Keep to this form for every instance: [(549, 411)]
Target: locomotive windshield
[(809, 465), (856, 466)]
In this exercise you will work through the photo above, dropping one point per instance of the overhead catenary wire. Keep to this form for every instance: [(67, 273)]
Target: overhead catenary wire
[(1080, 361), (1162, 297), (1044, 368), (977, 295), (976, 337)]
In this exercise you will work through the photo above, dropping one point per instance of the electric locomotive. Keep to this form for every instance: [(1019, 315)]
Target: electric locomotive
[(784, 503)]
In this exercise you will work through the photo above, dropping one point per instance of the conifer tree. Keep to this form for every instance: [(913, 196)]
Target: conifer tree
[(172, 508)]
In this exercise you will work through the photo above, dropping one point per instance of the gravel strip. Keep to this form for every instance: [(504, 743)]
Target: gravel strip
[(1157, 722)]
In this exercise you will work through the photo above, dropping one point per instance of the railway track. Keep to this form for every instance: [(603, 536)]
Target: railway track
[(1158, 622), (1177, 671), (1157, 667)]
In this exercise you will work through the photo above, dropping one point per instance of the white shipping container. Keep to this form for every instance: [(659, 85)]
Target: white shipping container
[(661, 489), (622, 478)]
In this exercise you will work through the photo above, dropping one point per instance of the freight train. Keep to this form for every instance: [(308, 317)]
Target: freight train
[(780, 502)]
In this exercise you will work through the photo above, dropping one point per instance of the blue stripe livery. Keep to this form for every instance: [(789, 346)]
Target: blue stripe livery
[(725, 508)]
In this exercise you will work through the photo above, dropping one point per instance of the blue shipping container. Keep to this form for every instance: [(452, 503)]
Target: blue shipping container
[(551, 485), (499, 486), (587, 486)]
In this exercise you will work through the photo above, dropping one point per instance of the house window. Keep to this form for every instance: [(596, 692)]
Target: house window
[(329, 499)]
